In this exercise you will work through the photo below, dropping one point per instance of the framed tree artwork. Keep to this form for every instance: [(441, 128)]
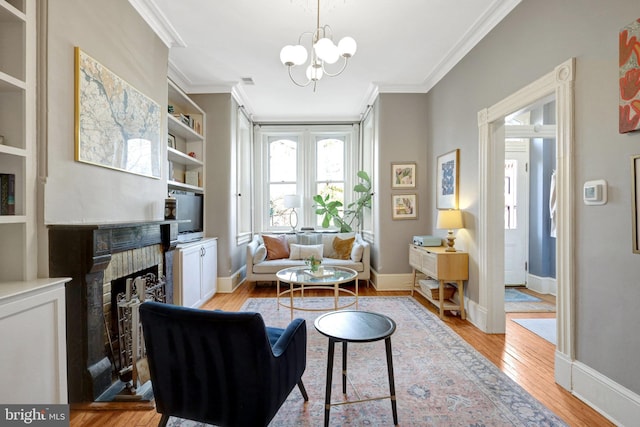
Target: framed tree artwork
[(447, 180)]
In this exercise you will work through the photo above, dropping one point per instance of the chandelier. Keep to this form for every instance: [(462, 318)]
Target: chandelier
[(323, 51)]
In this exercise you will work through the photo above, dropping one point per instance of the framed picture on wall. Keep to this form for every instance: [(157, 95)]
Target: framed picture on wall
[(635, 202), (405, 206), (403, 175), (447, 180)]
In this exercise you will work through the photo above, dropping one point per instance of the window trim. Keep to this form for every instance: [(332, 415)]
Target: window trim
[(306, 173)]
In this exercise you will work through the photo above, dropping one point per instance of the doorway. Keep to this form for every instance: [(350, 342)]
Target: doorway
[(491, 314)]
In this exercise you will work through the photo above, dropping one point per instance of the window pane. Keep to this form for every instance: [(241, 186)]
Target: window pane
[(330, 160), (282, 160), (278, 214), (335, 192)]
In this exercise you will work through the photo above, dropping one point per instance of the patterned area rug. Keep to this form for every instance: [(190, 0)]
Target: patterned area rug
[(440, 379)]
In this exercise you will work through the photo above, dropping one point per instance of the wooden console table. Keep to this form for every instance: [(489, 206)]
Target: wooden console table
[(445, 267)]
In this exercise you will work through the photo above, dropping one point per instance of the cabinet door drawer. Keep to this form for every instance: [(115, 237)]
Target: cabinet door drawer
[(429, 264), (414, 258)]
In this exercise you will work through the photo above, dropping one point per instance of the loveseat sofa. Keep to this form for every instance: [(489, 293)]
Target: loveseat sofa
[(301, 246)]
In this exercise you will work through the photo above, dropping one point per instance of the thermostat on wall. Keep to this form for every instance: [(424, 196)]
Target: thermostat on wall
[(595, 192)]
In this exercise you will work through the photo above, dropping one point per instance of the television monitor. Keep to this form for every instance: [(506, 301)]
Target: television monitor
[(189, 213)]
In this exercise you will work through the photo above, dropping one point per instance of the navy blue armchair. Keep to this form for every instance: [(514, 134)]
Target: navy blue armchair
[(221, 368)]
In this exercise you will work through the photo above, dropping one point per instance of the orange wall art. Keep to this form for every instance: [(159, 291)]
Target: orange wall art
[(629, 108)]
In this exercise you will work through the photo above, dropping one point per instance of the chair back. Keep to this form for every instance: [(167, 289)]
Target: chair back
[(209, 366)]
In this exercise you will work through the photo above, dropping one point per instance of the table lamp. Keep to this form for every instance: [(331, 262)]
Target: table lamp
[(450, 220), (292, 201)]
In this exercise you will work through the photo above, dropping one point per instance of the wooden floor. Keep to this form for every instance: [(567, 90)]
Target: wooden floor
[(522, 355)]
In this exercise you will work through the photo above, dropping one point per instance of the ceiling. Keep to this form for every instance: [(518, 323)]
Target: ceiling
[(404, 46)]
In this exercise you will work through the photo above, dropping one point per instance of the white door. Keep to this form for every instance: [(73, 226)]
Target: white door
[(516, 212), (189, 277)]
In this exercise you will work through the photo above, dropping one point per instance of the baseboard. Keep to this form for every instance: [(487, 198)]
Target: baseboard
[(476, 314), (227, 285), (391, 282), (615, 402), (542, 285)]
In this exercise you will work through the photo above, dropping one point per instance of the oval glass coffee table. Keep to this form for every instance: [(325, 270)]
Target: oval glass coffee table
[(348, 326), (300, 277)]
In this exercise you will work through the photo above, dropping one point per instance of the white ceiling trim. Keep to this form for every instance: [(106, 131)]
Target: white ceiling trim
[(158, 23), (475, 33)]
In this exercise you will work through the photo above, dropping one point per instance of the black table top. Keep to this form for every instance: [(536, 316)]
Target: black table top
[(355, 326)]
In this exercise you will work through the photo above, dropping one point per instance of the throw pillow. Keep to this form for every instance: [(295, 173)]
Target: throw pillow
[(305, 251), (277, 246), (343, 247), (356, 252), (260, 255)]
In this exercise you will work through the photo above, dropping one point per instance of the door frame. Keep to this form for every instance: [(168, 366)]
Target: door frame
[(559, 82)]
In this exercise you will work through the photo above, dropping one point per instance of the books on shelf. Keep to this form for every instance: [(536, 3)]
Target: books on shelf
[(7, 194)]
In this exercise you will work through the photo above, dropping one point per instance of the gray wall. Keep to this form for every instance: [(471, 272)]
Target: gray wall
[(220, 199), (535, 37), (115, 35), (402, 138), (69, 192)]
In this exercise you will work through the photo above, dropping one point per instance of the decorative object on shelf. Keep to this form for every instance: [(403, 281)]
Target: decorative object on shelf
[(121, 131), (192, 154), (7, 194), (403, 175), (450, 220), (628, 77), (1, 139), (447, 180), (405, 206), (323, 51), (171, 141), (170, 207), (293, 201)]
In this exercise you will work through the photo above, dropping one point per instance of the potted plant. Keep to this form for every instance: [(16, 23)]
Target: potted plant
[(314, 263), (330, 209)]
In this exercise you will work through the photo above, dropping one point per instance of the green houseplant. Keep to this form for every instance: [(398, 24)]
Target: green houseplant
[(352, 217)]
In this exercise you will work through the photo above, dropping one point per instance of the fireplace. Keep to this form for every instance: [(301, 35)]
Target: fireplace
[(98, 258)]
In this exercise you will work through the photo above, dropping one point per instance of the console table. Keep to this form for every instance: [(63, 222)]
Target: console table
[(445, 267)]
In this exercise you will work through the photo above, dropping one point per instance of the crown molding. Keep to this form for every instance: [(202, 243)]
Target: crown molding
[(485, 23), (158, 22)]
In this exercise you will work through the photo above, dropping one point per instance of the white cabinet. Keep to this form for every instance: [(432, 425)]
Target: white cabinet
[(33, 358), (196, 272), (186, 142)]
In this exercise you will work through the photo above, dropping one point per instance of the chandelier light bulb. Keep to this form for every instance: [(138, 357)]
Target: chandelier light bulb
[(300, 54), (323, 48), (347, 47), (314, 72), (287, 55)]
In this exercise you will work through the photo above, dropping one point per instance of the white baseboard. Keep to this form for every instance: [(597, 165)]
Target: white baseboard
[(542, 285), (227, 285), (391, 282), (615, 402)]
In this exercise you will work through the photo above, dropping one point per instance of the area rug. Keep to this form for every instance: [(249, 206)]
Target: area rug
[(520, 302), (514, 295), (440, 379), (546, 328)]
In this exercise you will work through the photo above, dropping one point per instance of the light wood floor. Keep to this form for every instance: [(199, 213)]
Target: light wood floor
[(522, 355)]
